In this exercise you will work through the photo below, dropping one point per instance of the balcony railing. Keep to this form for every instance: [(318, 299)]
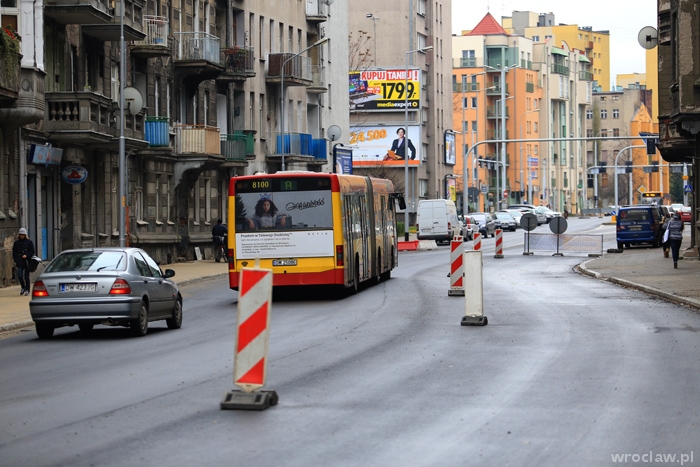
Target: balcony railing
[(238, 61), (560, 69), (463, 62), (158, 132), (156, 29), (495, 134), (195, 46), (494, 111), (236, 146), (465, 87), (494, 88), (526, 64), (318, 74), (197, 139), (295, 69), (585, 76), (78, 111), (316, 10), (320, 148), (529, 87), (300, 144)]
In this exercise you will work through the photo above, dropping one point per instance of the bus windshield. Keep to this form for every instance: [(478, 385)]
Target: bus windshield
[(290, 216)]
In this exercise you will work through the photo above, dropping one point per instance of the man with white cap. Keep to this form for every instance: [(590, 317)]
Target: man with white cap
[(22, 250)]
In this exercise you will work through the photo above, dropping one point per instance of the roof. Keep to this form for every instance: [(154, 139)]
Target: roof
[(488, 26)]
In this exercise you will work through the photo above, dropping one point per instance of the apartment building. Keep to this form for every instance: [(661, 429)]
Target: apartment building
[(203, 88)]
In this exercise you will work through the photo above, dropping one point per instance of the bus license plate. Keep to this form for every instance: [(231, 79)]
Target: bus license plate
[(89, 287), (284, 262)]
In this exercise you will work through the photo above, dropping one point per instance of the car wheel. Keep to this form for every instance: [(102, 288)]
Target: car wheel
[(619, 245), (176, 321), (85, 327), (44, 331), (139, 326)]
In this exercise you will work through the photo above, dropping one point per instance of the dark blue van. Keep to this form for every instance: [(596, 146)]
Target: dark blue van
[(639, 224)]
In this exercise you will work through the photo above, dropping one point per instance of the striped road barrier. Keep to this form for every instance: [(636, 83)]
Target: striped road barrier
[(499, 244), (456, 269)]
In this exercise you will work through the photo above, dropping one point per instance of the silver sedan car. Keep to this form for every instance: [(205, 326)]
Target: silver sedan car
[(108, 286)]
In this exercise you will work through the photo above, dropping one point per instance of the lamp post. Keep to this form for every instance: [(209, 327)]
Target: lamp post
[(405, 156), (122, 141), (529, 179), (374, 23), (319, 42), (617, 202), (500, 189)]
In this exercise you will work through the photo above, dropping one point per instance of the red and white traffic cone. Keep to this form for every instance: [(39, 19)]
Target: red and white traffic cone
[(499, 244)]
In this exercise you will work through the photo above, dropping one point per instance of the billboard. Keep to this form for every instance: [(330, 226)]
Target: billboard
[(450, 148), (373, 143), (384, 89)]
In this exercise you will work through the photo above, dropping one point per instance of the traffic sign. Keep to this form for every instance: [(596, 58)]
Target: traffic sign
[(688, 189), (484, 188), (558, 225), (528, 221)]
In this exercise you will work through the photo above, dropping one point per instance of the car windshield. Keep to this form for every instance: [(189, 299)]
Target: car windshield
[(88, 261), (504, 216), (479, 218)]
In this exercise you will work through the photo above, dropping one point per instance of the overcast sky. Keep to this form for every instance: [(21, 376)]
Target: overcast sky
[(623, 18)]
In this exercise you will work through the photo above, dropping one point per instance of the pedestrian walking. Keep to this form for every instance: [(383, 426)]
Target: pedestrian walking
[(675, 236), (22, 251), (665, 244)]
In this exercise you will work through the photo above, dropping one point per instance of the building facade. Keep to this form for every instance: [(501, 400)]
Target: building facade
[(211, 91)]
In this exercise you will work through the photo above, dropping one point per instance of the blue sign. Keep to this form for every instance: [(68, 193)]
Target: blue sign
[(74, 174), (342, 160), (688, 188)]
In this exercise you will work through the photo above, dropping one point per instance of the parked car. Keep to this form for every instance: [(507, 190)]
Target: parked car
[(517, 215), (541, 218), (467, 226), (686, 214), (108, 286), (638, 224), (487, 226), (676, 207), (548, 213), (504, 221)]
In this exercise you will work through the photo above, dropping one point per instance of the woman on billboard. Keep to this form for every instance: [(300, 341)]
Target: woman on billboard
[(398, 147)]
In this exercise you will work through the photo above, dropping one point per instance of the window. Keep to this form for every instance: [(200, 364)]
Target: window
[(589, 133), (261, 129), (616, 132), (261, 39), (159, 213), (535, 38), (589, 114), (604, 133), (465, 103), (603, 113), (474, 102), (616, 113), (207, 201), (536, 127), (138, 198), (422, 41), (602, 98), (421, 7), (169, 201)]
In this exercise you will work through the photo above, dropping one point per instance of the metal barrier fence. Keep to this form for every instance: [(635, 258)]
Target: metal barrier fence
[(592, 245)]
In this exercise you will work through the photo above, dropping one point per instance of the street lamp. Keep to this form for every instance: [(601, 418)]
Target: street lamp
[(501, 107), (617, 202), (405, 156), (529, 177), (374, 22), (122, 141), (319, 42)]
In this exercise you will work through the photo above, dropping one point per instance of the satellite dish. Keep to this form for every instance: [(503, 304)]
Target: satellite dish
[(648, 37), (133, 100), (334, 132)]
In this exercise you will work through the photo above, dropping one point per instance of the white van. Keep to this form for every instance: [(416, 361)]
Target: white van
[(437, 220)]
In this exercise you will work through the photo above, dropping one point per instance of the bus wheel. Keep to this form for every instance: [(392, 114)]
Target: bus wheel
[(386, 275), (376, 279)]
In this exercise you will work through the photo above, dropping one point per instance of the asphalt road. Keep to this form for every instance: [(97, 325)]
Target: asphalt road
[(569, 371)]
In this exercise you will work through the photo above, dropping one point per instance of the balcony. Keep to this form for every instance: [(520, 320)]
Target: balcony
[(111, 31), (529, 87), (560, 69), (469, 62), (585, 76), (235, 147), (79, 11), (297, 69), (494, 111), (158, 132), (526, 64), (156, 42), (91, 119), (239, 64), (197, 139), (316, 11), (296, 147), (319, 148), (465, 87), (320, 85), (494, 88), (197, 57), (30, 103), (495, 135), (10, 71)]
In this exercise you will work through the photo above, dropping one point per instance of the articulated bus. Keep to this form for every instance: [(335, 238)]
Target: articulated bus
[(313, 228), (651, 197)]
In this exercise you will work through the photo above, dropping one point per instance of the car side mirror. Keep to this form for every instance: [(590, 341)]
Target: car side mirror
[(169, 273)]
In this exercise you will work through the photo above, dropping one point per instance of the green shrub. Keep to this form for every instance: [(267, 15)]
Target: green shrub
[(400, 229)]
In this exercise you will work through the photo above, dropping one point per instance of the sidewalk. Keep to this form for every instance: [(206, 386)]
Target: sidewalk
[(640, 268), (14, 311)]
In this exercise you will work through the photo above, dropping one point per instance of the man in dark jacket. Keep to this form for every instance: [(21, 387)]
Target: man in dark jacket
[(218, 234), (22, 251)]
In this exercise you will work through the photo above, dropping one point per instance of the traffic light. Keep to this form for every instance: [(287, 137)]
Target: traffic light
[(654, 166), (628, 168), (603, 169), (505, 193)]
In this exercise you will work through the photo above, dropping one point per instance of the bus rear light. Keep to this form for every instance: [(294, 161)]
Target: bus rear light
[(339, 255)]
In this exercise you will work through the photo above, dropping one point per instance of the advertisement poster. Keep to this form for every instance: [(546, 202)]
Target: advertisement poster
[(450, 148), (384, 89), (280, 224), (373, 146)]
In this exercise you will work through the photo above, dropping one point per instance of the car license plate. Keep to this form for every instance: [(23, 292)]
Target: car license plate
[(284, 262), (87, 287)]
